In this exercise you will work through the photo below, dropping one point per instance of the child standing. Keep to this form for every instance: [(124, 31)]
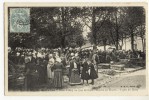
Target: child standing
[(85, 74)]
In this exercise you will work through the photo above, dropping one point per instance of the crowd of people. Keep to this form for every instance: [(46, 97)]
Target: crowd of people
[(50, 66)]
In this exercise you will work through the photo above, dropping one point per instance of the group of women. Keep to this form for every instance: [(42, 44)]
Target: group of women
[(76, 71), (53, 70)]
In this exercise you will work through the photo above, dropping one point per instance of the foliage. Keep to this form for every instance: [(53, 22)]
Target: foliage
[(48, 28), (63, 26)]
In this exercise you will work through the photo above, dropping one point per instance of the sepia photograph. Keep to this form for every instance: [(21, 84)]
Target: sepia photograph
[(74, 48)]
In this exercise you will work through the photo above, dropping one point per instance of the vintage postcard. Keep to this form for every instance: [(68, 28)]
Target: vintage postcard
[(80, 49)]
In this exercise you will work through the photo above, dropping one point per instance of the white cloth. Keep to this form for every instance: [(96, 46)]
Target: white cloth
[(75, 65), (18, 54), (51, 61), (50, 74), (40, 55), (58, 59), (50, 55), (72, 54), (76, 54), (93, 58), (56, 54)]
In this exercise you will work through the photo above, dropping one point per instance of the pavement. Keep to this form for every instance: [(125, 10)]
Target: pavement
[(133, 79), (129, 78)]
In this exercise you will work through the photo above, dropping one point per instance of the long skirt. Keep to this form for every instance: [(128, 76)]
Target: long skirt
[(41, 75), (93, 74), (30, 82), (58, 78), (85, 75), (75, 77), (50, 74)]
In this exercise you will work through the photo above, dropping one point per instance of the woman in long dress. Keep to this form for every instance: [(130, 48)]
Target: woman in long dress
[(58, 76), (75, 76), (30, 73), (50, 73), (41, 72)]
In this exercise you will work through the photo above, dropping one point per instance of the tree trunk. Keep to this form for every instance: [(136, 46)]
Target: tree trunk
[(105, 47), (105, 43), (143, 44), (93, 26), (125, 41), (132, 40), (63, 41), (142, 38), (63, 28), (122, 40), (117, 39), (117, 34), (121, 45)]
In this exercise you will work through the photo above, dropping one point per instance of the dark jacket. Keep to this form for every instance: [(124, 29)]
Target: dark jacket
[(93, 73), (58, 66), (85, 74)]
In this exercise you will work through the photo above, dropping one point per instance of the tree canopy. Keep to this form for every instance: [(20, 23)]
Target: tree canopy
[(53, 27)]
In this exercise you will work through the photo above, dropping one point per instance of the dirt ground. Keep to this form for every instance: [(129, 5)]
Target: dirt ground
[(134, 80)]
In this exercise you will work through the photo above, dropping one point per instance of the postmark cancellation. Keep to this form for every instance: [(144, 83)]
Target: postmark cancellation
[(20, 20)]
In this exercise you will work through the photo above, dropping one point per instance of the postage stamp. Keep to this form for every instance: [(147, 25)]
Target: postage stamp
[(76, 49), (19, 20)]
